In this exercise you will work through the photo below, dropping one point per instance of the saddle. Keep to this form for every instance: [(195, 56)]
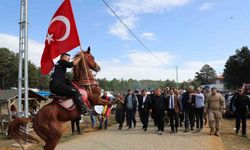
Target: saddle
[(64, 101), (68, 102)]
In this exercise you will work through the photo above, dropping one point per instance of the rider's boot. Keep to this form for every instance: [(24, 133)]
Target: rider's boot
[(80, 105)]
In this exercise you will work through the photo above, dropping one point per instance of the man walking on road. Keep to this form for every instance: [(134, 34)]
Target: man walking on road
[(199, 108), (158, 107), (130, 106), (173, 105), (188, 107), (144, 106), (241, 103), (120, 110), (215, 105)]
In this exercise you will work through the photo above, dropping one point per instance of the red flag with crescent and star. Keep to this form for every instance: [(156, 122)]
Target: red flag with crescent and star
[(62, 36)]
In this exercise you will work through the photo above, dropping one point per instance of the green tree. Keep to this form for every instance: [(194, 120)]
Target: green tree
[(169, 83), (43, 81), (237, 68), (9, 68), (207, 75), (189, 82), (33, 75)]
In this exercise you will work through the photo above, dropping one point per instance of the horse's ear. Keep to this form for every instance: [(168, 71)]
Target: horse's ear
[(88, 50)]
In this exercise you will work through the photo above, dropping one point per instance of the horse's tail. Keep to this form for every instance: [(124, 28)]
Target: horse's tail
[(17, 130)]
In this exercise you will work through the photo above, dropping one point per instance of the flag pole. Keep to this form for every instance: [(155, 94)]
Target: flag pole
[(85, 68)]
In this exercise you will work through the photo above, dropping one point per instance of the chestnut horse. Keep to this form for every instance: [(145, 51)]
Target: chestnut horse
[(48, 122)]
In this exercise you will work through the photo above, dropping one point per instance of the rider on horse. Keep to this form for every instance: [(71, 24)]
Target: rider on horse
[(58, 84)]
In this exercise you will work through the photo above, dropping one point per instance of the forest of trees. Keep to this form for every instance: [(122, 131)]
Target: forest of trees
[(9, 72), (236, 72), (122, 85)]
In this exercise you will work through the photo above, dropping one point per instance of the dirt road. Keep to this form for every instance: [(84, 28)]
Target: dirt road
[(136, 139)]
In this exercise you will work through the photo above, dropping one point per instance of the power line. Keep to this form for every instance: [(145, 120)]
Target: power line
[(131, 32)]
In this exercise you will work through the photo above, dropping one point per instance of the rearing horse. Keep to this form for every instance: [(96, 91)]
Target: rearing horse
[(47, 123)]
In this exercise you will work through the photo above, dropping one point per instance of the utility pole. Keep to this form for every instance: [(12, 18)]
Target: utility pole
[(177, 77), (23, 57)]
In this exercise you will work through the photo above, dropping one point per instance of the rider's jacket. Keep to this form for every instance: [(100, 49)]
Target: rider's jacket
[(58, 74)]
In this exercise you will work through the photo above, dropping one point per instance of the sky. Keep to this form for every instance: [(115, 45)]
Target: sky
[(180, 33)]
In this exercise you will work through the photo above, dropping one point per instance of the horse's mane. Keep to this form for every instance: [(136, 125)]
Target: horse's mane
[(77, 69)]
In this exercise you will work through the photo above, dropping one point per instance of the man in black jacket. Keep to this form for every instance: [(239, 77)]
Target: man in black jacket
[(130, 106), (58, 84), (241, 103), (188, 106), (159, 107), (144, 107)]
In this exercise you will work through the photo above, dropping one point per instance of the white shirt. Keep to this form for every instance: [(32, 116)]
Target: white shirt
[(171, 97), (199, 100), (143, 100)]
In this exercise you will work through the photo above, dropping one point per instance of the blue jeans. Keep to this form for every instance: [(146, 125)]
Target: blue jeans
[(93, 119)]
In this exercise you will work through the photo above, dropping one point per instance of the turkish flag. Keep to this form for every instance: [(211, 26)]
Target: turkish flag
[(62, 36)]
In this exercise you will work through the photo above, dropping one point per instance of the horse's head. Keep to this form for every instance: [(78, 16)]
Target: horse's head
[(81, 72), (89, 61)]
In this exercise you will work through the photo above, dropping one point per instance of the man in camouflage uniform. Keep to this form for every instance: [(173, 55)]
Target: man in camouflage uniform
[(215, 105)]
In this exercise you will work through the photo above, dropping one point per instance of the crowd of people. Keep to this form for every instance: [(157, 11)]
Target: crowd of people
[(194, 107), (190, 108)]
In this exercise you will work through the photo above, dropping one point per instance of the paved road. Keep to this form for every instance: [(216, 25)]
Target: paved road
[(136, 139)]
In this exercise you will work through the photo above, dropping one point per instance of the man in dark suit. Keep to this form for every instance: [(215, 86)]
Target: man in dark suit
[(173, 106), (158, 107), (144, 107), (241, 103)]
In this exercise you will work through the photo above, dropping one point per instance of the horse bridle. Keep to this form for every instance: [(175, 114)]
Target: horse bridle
[(85, 67)]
